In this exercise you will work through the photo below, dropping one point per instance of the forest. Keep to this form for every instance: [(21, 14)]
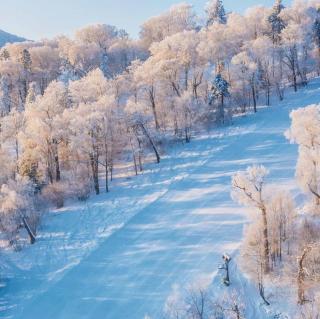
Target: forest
[(74, 109)]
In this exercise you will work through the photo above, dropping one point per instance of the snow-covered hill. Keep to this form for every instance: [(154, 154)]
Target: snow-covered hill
[(119, 256), (6, 37)]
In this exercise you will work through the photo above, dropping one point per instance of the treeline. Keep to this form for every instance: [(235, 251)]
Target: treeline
[(71, 109)]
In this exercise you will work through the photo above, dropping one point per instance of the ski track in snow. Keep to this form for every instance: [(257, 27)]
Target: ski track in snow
[(120, 255)]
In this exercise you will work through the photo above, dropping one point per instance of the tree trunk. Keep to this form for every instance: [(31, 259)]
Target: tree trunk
[(50, 175), (261, 292), (268, 94), (187, 135), (186, 77), (140, 155), (57, 164), (153, 106), (254, 98), (135, 162), (280, 92), (221, 110), (95, 175), (151, 142), (294, 76), (295, 87), (106, 165), (111, 169), (266, 251), (107, 176), (30, 232), (301, 276), (17, 149)]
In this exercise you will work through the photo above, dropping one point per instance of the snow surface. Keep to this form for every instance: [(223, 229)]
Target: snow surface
[(120, 255)]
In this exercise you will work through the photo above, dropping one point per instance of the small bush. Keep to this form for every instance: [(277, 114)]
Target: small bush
[(56, 193)]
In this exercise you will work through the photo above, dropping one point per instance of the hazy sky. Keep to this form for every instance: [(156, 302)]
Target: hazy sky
[(35, 19)]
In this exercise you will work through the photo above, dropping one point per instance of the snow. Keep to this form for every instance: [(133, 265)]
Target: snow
[(121, 255)]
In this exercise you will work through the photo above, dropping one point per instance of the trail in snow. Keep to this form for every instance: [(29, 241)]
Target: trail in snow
[(163, 229)]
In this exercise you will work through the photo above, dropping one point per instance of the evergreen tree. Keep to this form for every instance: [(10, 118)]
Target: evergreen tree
[(316, 29), (216, 13), (4, 55), (276, 22), (219, 90), (104, 65), (5, 96), (220, 87), (26, 60), (32, 92)]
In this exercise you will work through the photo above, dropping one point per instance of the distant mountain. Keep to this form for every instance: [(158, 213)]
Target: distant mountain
[(6, 37)]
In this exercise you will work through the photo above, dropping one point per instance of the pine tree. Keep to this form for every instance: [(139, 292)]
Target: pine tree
[(220, 87), (276, 22), (4, 55), (316, 29), (219, 90), (104, 65), (5, 96), (216, 13), (26, 60), (316, 35), (32, 93)]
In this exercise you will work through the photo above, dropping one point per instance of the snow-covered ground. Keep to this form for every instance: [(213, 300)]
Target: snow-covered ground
[(120, 255)]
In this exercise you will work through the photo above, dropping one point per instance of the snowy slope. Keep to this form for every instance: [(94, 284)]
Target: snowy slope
[(120, 255)]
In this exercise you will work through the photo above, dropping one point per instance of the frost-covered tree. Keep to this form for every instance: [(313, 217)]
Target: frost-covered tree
[(215, 12), (101, 35), (43, 134), (261, 50), (257, 21), (216, 45), (11, 126), (291, 38), (179, 18), (248, 189), (270, 239), (145, 75), (83, 123), (305, 131), (247, 73), (281, 217), (137, 124), (252, 256), (17, 208), (86, 95), (45, 65), (189, 111), (5, 95), (89, 88), (110, 138)]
